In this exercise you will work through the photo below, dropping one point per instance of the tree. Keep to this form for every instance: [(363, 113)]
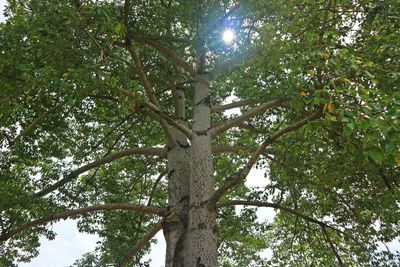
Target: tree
[(116, 113)]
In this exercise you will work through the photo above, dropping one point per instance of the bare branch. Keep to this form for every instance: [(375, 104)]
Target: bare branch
[(70, 213), (251, 128), (126, 13), (102, 55), (35, 123), (164, 125), (138, 246), (145, 151), (237, 121), (242, 173), (237, 104), (140, 72)]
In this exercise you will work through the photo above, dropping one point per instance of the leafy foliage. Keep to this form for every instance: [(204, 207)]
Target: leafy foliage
[(64, 73)]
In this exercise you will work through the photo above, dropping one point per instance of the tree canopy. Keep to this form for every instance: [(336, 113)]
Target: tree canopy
[(95, 95)]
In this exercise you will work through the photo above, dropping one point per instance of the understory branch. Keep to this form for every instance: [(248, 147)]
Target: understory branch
[(70, 213), (145, 151)]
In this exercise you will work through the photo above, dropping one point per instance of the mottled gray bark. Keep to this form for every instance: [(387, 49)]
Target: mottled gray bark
[(201, 240), (191, 234), (178, 187)]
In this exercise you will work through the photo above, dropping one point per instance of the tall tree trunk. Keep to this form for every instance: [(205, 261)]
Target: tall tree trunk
[(179, 173), (191, 235), (200, 247)]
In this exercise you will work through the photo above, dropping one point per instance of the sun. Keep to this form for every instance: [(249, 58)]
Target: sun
[(228, 36)]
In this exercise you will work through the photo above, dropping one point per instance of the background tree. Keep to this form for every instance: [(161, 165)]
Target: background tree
[(114, 113)]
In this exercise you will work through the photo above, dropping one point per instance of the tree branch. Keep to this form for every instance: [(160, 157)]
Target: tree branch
[(138, 246), (140, 72), (153, 189), (237, 121), (317, 114), (177, 125), (237, 104), (282, 208), (332, 246), (242, 173), (35, 122), (185, 130), (220, 149), (240, 176), (146, 151), (170, 54), (81, 211), (221, 67)]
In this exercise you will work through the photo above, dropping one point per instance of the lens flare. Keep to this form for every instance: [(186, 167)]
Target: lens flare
[(228, 36)]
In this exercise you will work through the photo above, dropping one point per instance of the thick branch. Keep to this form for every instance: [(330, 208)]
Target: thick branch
[(35, 123), (237, 121), (237, 104), (171, 54), (142, 76), (242, 174), (171, 121), (81, 211), (145, 151), (138, 246)]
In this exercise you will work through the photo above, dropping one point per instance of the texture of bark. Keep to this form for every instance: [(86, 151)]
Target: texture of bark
[(201, 240), (191, 234)]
